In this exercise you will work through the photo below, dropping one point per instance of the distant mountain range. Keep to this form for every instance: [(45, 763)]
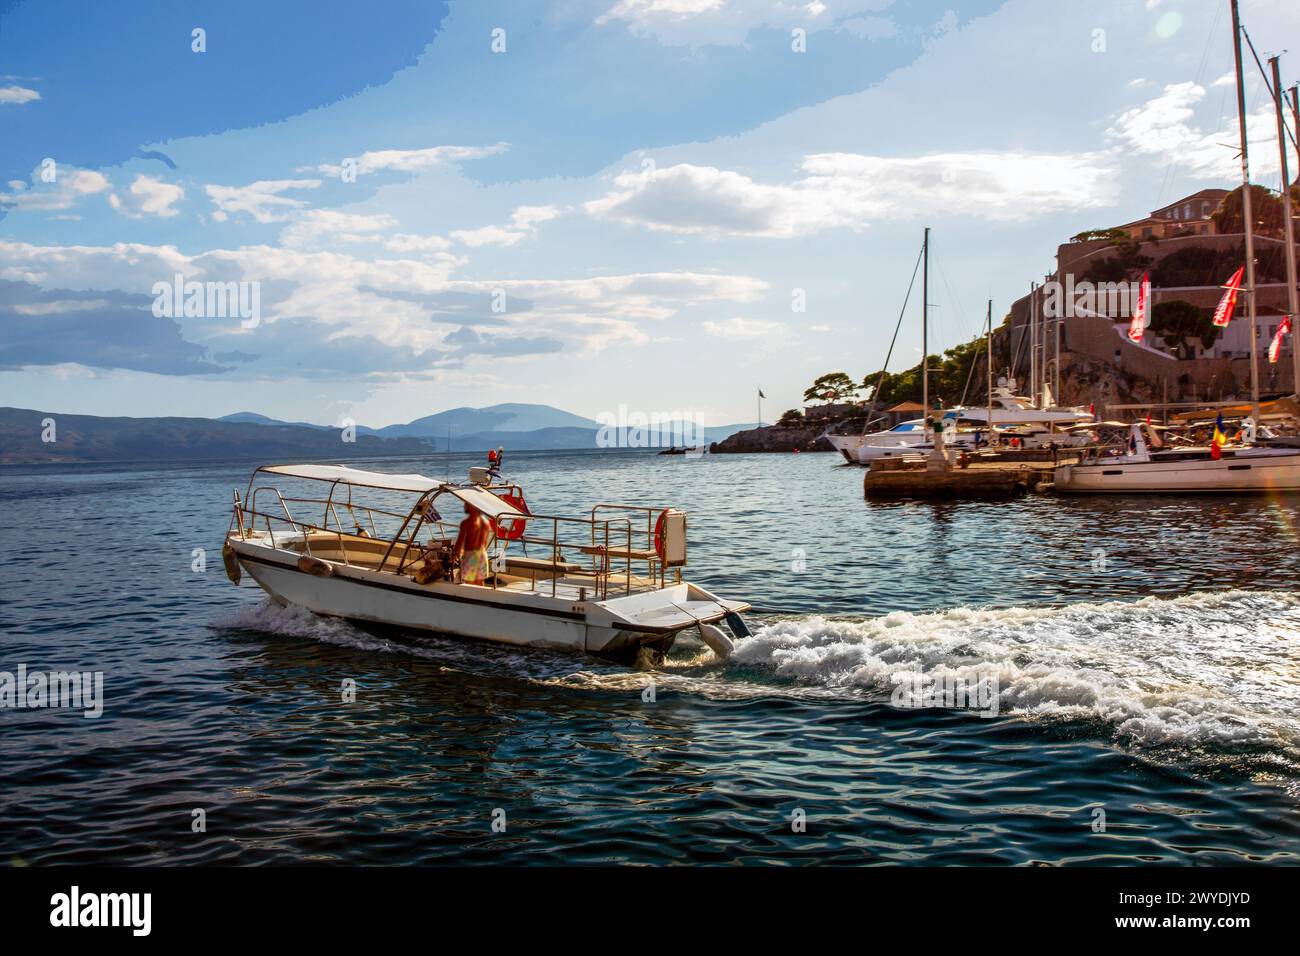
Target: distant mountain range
[(78, 438), (83, 438), (510, 417), (513, 425)]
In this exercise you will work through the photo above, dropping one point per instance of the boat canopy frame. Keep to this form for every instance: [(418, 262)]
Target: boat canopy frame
[(610, 541)]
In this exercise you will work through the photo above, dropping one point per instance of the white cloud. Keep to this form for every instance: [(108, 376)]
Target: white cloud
[(261, 200), (407, 242), (316, 225), (740, 328), (61, 306), (527, 216), (70, 186), (647, 295), (643, 12), (851, 190), (412, 160), (384, 301), (1163, 127), (523, 224), (147, 196), (17, 94), (488, 236)]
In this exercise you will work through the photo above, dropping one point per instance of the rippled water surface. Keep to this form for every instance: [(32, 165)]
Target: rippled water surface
[(1147, 653)]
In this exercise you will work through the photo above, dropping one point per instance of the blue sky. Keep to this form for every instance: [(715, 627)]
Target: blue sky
[(585, 203)]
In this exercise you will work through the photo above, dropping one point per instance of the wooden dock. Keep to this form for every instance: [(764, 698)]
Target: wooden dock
[(989, 479)]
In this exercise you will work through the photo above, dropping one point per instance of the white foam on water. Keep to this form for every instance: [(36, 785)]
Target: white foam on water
[(1221, 668), (295, 622)]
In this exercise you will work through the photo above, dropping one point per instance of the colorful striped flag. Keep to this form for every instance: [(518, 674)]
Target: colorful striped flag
[(1140, 320), (1228, 304), (1219, 439), (1275, 347)]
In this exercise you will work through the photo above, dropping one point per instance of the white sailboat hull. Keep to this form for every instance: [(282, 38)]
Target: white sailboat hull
[(1251, 473)]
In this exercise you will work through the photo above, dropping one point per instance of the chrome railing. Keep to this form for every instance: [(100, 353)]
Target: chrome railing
[(607, 544)]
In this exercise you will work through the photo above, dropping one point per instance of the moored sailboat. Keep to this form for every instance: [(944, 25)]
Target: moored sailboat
[(1249, 467)]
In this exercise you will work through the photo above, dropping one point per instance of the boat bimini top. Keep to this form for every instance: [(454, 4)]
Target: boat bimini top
[(479, 498)]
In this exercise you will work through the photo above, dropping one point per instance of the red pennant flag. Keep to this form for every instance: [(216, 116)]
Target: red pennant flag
[(1139, 323), (1228, 304), (1275, 347)]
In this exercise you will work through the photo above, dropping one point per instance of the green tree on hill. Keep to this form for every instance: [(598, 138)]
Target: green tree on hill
[(1178, 321), (949, 375), (1114, 234), (831, 387), (1125, 264), (1265, 208), (1199, 265)]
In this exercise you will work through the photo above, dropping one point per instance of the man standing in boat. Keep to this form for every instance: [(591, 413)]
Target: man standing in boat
[(471, 547)]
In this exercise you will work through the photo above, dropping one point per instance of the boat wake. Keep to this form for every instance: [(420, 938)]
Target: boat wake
[(1218, 670)]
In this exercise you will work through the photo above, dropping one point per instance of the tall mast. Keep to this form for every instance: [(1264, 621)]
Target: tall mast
[(989, 359), (925, 330), (1033, 347), (1247, 215), (1056, 358), (1288, 232)]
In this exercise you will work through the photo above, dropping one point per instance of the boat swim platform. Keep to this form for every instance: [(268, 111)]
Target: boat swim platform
[(991, 479)]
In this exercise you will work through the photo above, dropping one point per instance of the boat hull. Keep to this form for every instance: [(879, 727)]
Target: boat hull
[(1238, 474), (523, 619), (846, 445)]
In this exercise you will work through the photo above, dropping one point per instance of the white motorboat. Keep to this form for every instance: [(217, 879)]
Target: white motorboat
[(1007, 408), (609, 582), (911, 439), (1138, 469), (903, 439)]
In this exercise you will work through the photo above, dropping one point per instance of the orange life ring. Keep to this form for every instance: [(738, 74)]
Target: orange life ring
[(659, 533), (515, 529)]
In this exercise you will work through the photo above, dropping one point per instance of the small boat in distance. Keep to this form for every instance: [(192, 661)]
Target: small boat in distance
[(377, 550)]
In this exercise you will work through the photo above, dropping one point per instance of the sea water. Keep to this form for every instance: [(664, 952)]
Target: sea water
[(1059, 680)]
